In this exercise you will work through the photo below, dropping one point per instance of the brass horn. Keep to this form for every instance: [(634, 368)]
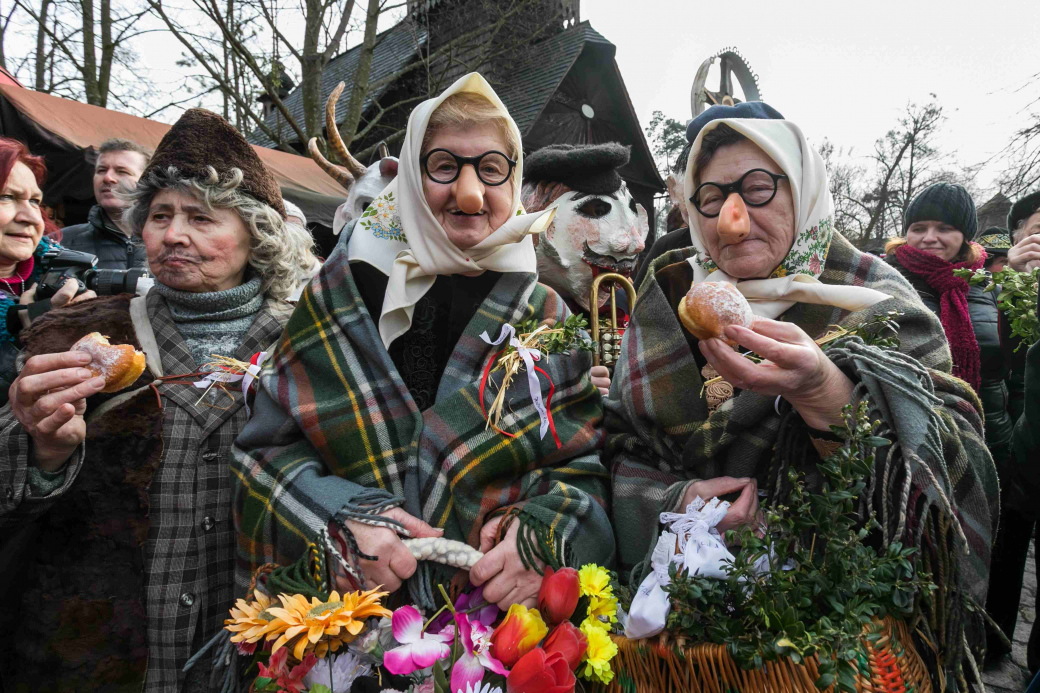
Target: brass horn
[(608, 342), (352, 169)]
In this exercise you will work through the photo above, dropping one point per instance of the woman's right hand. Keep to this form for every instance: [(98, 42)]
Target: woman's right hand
[(48, 398), (394, 562), (743, 511)]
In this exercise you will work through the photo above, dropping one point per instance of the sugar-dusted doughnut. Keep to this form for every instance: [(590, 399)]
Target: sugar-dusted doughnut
[(709, 307), (119, 364)]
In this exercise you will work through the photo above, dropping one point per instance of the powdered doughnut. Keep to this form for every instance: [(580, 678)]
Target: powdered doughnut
[(119, 364), (709, 307)]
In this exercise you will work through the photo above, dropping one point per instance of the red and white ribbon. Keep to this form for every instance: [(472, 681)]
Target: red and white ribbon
[(256, 362), (529, 356)]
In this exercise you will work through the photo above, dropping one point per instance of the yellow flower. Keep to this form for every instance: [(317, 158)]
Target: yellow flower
[(323, 626), (780, 272), (595, 581), (600, 651), (603, 610), (251, 621)]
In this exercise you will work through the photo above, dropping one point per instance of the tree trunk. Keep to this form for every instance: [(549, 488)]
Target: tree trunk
[(41, 48), (89, 69), (311, 68), (359, 90), (108, 52)]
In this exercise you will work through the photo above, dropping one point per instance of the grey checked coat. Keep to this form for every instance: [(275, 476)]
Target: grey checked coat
[(95, 608)]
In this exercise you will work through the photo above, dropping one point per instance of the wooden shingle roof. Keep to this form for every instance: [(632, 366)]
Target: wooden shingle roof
[(395, 48)]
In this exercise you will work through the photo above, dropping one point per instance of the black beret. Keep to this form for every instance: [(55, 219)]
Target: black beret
[(749, 109), (1023, 209), (590, 168)]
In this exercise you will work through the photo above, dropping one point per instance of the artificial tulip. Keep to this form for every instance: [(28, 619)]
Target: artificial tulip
[(538, 672), (569, 641), (519, 633), (559, 594)]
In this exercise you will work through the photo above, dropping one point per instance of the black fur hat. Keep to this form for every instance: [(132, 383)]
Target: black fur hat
[(589, 168)]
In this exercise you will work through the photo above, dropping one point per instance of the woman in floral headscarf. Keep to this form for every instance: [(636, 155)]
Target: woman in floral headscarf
[(371, 423), (760, 218)]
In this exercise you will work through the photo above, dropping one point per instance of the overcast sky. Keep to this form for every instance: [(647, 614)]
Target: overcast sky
[(841, 70)]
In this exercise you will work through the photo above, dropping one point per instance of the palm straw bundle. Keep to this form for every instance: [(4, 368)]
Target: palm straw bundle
[(888, 664)]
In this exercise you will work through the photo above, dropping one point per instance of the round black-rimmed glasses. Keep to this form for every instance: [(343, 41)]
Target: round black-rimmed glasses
[(757, 188), (442, 166)]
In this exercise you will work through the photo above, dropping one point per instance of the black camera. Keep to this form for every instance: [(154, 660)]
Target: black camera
[(59, 266)]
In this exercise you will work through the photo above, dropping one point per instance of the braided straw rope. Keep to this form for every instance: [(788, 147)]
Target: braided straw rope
[(890, 664)]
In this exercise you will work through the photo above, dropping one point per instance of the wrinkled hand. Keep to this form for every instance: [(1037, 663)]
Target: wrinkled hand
[(394, 563), (1024, 256), (501, 572), (601, 379), (48, 398), (743, 511), (795, 368)]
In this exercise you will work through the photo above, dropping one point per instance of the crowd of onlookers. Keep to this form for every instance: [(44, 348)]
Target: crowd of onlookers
[(230, 257)]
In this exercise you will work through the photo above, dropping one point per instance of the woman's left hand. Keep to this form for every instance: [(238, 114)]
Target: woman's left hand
[(600, 379), (795, 368), (506, 581)]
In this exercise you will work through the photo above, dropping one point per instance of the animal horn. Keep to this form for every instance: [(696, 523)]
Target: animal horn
[(341, 175), (353, 166)]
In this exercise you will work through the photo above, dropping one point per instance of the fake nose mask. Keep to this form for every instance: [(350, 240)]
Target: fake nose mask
[(734, 224), (469, 192)]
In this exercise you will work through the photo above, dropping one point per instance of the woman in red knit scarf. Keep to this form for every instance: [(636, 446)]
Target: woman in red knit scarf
[(939, 226)]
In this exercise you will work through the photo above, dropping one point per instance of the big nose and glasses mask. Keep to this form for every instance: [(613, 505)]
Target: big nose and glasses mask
[(729, 201), (493, 168)]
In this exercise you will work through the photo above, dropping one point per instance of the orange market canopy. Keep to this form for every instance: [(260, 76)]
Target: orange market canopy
[(68, 133)]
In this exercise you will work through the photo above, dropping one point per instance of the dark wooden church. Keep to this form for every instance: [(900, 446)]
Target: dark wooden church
[(554, 72)]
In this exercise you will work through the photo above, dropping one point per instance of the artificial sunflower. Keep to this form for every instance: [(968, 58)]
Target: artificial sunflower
[(251, 622), (322, 627)]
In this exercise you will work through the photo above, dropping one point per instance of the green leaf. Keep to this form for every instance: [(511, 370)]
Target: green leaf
[(440, 681), (319, 688)]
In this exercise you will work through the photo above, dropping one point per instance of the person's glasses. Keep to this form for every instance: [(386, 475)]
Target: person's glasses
[(757, 188), (441, 166)]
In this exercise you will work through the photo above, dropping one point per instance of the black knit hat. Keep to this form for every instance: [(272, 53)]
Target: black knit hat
[(200, 139), (1023, 209), (995, 240), (591, 168), (946, 202)]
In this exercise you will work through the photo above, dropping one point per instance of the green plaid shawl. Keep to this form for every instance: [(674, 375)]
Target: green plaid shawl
[(936, 489), (336, 435)]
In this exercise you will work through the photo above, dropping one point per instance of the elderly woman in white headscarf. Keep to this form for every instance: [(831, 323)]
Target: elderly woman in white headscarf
[(371, 426), (760, 218)]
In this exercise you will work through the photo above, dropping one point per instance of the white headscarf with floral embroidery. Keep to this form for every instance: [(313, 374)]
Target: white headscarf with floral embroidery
[(796, 279), (398, 234)]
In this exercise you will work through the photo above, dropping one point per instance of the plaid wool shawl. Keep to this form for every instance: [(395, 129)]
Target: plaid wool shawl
[(336, 433), (936, 488)]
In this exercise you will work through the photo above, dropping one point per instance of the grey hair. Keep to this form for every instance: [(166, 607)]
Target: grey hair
[(279, 253)]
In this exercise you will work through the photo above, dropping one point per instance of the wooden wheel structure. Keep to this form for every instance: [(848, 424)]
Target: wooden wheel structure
[(733, 71)]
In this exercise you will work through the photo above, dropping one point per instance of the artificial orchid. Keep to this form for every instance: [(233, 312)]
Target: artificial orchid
[(476, 641), (473, 605), (418, 650)]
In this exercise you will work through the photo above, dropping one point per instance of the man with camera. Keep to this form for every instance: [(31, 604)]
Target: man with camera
[(106, 234)]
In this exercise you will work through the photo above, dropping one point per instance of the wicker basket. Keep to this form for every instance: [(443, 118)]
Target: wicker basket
[(890, 664)]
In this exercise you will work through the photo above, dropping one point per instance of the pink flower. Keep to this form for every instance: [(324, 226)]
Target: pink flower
[(418, 650), (814, 264), (469, 669), (277, 669)]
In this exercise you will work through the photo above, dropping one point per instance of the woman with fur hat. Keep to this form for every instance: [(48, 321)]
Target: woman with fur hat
[(128, 495), (371, 424), (760, 216)]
